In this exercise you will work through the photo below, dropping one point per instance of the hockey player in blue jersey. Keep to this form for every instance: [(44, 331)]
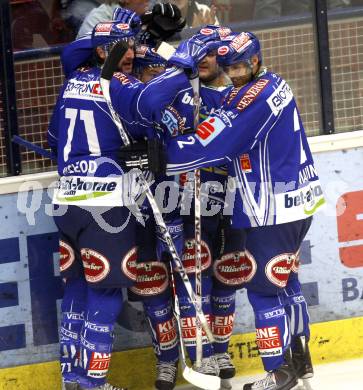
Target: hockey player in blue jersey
[(277, 192), (218, 294), (97, 231), (259, 134)]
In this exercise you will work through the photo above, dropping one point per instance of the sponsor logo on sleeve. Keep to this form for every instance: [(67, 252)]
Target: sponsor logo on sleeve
[(173, 121), (245, 163), (280, 98), (251, 94), (208, 130)]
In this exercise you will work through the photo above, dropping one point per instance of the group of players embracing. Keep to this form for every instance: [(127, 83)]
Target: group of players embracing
[(136, 125)]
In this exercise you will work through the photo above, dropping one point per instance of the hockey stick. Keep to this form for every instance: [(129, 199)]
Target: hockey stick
[(108, 69), (197, 228), (35, 148), (203, 381)]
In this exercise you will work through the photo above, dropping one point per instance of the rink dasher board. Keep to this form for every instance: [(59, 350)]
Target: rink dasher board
[(331, 341), (30, 287)]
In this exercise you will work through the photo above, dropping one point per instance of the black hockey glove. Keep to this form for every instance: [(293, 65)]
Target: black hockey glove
[(145, 155), (163, 21)]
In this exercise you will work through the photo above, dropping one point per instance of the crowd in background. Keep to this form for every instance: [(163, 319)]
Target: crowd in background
[(41, 23)]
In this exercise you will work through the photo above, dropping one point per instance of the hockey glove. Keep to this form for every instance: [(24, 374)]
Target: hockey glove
[(176, 230), (127, 17), (163, 21), (191, 51), (145, 155)]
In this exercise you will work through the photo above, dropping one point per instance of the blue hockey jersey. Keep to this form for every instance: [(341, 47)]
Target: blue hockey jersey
[(86, 140), (259, 134), (177, 119)]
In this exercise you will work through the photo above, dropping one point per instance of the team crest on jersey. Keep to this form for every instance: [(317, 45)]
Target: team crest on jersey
[(251, 94), (278, 269), (236, 268), (96, 266), (128, 264), (66, 256)]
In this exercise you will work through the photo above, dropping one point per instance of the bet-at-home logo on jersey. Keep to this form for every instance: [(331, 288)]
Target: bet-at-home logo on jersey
[(300, 203), (90, 191)]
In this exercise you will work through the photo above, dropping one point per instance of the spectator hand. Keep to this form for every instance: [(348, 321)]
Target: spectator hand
[(207, 17), (163, 21)]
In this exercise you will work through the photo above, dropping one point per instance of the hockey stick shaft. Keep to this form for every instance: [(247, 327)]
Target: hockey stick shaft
[(202, 381), (197, 227), (105, 85), (35, 148)]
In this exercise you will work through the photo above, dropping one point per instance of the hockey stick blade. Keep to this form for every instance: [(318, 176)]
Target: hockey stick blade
[(35, 148), (165, 50), (203, 381)]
